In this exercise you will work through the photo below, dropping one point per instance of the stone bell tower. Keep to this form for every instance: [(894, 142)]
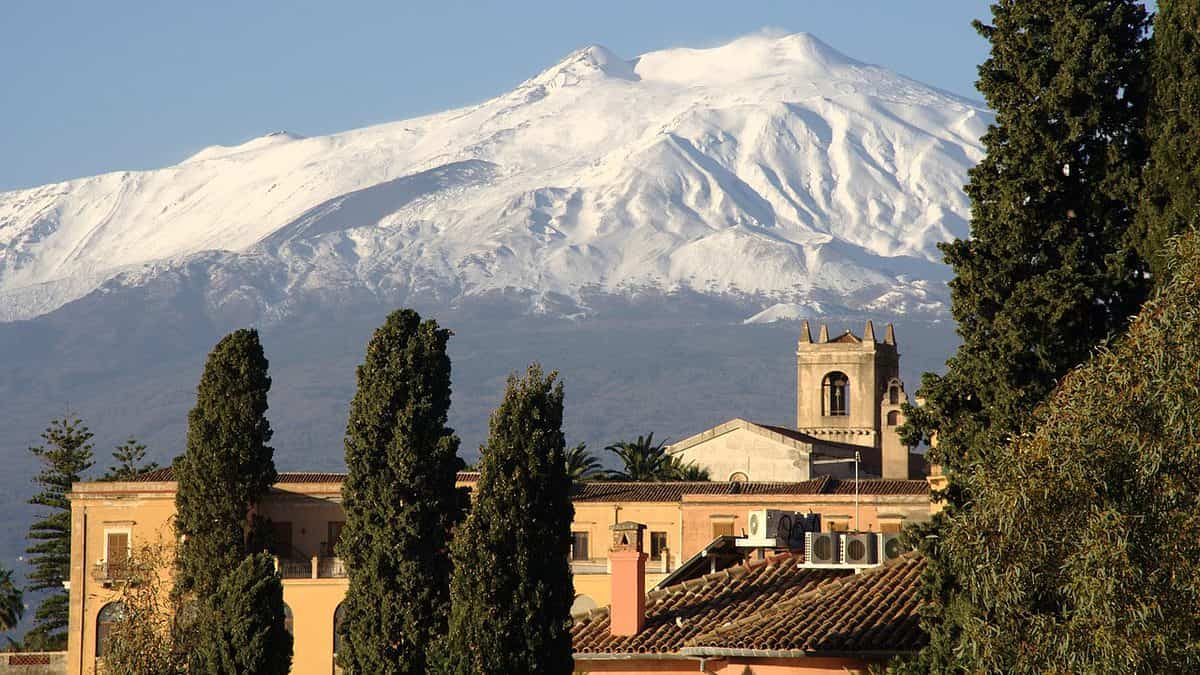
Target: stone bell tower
[(848, 391)]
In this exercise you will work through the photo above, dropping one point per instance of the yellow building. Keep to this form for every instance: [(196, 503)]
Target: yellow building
[(109, 520)]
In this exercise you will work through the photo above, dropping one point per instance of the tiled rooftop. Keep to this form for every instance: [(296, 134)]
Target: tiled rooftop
[(678, 613), (875, 611), (600, 491), (167, 474)]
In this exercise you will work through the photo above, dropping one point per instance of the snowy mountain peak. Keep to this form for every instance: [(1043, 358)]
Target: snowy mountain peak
[(772, 169)]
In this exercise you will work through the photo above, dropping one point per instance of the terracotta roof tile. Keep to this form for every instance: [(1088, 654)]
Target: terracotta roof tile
[(676, 614), (167, 474), (875, 611)]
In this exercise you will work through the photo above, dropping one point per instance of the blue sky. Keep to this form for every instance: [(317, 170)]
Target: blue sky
[(91, 86)]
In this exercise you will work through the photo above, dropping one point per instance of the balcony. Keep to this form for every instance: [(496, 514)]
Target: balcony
[(316, 567), (108, 573)]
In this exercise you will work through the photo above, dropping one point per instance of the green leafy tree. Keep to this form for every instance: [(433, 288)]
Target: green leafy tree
[(227, 466), (582, 465), (131, 462), (11, 601), (399, 498), (1171, 197), (643, 460), (515, 618), (66, 454), (1049, 271), (1084, 544), (242, 632), (143, 640)]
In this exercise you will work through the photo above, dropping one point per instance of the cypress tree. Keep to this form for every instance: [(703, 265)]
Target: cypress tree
[(1171, 197), (399, 498), (65, 455), (131, 462), (1049, 271), (511, 587), (227, 466), (1085, 542), (242, 632)]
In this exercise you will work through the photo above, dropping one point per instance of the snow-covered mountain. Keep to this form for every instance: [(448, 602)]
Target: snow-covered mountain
[(772, 168)]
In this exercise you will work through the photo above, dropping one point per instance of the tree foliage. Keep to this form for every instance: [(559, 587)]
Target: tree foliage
[(242, 631), (399, 498), (143, 640), (1082, 548), (645, 460), (1049, 271), (582, 465), (1170, 201), (227, 466), (130, 458), (511, 587), (65, 455), (11, 598)]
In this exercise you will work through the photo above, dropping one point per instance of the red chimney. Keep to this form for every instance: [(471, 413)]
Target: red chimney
[(628, 613)]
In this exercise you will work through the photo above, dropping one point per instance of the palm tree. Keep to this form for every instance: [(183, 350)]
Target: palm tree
[(582, 465), (689, 471), (11, 607), (643, 460)]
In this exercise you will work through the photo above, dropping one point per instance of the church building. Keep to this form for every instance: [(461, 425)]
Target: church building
[(848, 407)]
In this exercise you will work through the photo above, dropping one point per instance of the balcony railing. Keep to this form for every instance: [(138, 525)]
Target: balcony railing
[(316, 567), (107, 573)]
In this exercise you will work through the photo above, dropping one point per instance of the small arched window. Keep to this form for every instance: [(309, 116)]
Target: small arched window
[(893, 418), (338, 615), (108, 617), (738, 477), (289, 623), (835, 395), (894, 393)]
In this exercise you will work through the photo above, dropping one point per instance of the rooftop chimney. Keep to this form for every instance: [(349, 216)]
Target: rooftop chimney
[(627, 615)]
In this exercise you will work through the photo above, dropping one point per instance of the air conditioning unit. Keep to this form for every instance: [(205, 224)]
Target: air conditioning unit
[(860, 548), (890, 547), (822, 548), (770, 526)]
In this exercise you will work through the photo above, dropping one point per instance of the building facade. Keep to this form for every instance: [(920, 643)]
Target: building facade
[(849, 400), (112, 520)]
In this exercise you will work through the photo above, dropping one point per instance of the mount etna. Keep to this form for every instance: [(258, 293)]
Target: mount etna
[(651, 228)]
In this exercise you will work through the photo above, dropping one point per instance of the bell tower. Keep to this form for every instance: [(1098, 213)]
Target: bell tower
[(848, 391)]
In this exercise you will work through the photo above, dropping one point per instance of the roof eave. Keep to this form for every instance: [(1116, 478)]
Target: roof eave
[(865, 654)]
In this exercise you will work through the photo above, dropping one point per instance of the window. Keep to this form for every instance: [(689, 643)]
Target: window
[(116, 553), (109, 615), (338, 615), (890, 527), (658, 544), (579, 546), (893, 418), (334, 537), (894, 393), (835, 395), (839, 525), (722, 529), (738, 477), (281, 539)]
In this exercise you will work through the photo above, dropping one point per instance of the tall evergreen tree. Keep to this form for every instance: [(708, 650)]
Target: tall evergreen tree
[(1084, 544), (131, 462), (512, 588), (1049, 271), (11, 607), (1171, 197), (242, 632), (66, 454), (399, 498), (227, 466)]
